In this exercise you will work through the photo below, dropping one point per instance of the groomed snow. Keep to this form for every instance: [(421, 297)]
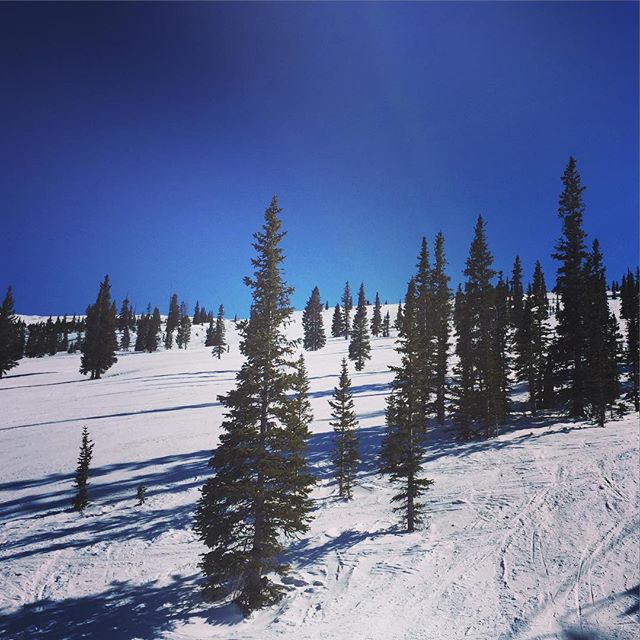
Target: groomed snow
[(530, 535)]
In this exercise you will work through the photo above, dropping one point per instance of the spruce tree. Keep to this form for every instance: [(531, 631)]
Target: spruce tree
[(441, 310), (183, 335), (402, 446), (9, 335), (570, 287), (337, 323), (386, 325), (629, 311), (344, 423), (209, 337), (81, 480), (398, 321), (142, 330), (196, 313), (359, 347), (516, 295), (312, 323), (600, 366), (173, 320), (100, 342), (219, 341), (376, 320), (123, 325), (259, 491), (347, 305), (153, 331)]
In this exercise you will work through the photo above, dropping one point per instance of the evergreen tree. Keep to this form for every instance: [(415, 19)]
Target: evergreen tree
[(347, 305), (516, 295), (500, 360), (386, 325), (173, 320), (52, 338), (142, 330), (344, 423), (210, 335), (398, 321), (376, 320), (629, 311), (601, 332), (402, 446), (81, 480), (184, 332), (312, 323), (219, 341), (441, 309), (196, 313), (9, 335), (359, 347), (100, 342), (124, 323), (153, 331), (337, 323), (259, 492), (570, 288)]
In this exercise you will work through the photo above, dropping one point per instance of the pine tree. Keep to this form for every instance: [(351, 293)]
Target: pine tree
[(142, 330), (500, 360), (376, 320), (398, 321), (344, 423), (210, 335), (312, 323), (81, 480), (100, 342), (359, 347), (441, 304), (386, 325), (9, 335), (629, 311), (570, 288), (347, 305), (601, 332), (184, 331), (402, 446), (337, 323), (153, 331), (516, 295), (259, 493), (124, 323), (196, 313), (219, 341), (173, 320)]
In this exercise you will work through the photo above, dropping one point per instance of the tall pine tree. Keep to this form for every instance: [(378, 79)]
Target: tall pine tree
[(81, 480), (347, 305), (259, 492), (360, 347), (173, 321), (219, 342), (312, 323), (629, 311), (9, 335), (337, 323), (376, 320)]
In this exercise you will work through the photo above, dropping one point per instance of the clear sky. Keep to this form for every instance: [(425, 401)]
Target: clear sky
[(146, 140)]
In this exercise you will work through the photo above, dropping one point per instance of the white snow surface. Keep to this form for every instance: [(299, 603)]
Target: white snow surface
[(533, 534)]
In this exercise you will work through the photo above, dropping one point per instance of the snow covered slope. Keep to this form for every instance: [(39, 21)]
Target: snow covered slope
[(531, 535)]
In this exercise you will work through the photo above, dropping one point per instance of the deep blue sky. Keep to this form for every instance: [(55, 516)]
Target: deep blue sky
[(146, 140)]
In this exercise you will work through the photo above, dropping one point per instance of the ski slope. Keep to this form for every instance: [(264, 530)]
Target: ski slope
[(534, 534)]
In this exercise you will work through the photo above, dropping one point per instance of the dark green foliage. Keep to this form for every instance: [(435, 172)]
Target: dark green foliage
[(10, 351), (398, 321), (402, 446), (359, 347), (141, 494), (81, 480), (516, 295), (376, 320), (570, 288), (196, 313), (386, 325), (259, 492), (142, 330), (124, 324), (209, 336), (337, 323), (153, 331), (312, 323), (100, 342), (441, 311), (219, 342), (601, 332), (183, 335), (629, 310), (344, 423), (347, 305), (173, 321)]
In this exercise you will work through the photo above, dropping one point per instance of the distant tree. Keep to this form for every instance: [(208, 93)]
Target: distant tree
[(173, 320), (219, 341), (386, 325), (196, 313), (376, 320), (360, 347), (9, 335), (153, 331), (81, 480), (124, 323), (184, 332), (259, 490), (347, 305), (423, 328), (344, 423), (326, 305), (142, 330), (100, 342), (312, 323), (629, 311), (402, 446), (337, 323), (209, 336), (516, 295), (398, 321)]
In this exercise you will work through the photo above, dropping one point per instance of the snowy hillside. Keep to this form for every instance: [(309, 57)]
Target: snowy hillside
[(534, 534)]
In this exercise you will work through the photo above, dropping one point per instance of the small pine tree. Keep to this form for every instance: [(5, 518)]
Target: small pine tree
[(142, 330), (81, 499), (630, 311), (209, 336), (173, 320), (376, 320), (219, 341), (124, 324), (100, 342), (359, 347), (386, 325), (312, 323), (347, 305), (196, 313), (345, 450), (337, 323), (9, 335), (184, 332), (153, 331)]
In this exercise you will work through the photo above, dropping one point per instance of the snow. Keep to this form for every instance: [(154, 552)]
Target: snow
[(530, 535)]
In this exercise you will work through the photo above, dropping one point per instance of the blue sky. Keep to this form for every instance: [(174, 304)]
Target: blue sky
[(145, 141)]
